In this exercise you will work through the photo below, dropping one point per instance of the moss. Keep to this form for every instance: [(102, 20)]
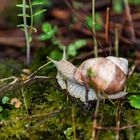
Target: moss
[(49, 114), (133, 83)]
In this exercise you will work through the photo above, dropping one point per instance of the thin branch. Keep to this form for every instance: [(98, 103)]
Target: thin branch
[(41, 67), (18, 83), (95, 119), (107, 25), (117, 129), (118, 120), (130, 21), (73, 122), (26, 32), (32, 17), (116, 42), (93, 29)]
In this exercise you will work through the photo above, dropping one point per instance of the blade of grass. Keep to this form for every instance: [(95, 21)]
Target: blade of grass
[(93, 29)]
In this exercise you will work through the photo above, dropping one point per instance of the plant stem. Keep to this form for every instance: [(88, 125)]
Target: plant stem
[(26, 33), (32, 17), (93, 29), (118, 122), (116, 42), (24, 100), (73, 122), (107, 25), (130, 21), (95, 119)]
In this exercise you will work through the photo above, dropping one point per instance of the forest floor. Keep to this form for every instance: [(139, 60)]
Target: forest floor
[(41, 103)]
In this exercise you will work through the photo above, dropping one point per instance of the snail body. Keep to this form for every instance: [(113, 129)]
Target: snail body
[(106, 75)]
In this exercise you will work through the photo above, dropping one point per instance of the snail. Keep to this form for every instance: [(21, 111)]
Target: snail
[(106, 74)]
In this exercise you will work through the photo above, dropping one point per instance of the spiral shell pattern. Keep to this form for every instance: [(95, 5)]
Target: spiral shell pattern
[(109, 74)]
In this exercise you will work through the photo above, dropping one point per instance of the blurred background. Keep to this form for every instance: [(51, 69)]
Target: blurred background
[(70, 22)]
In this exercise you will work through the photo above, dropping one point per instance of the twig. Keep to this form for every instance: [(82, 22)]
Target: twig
[(8, 87), (116, 129), (131, 70), (93, 29), (107, 25), (8, 78), (118, 112), (24, 100), (101, 119), (41, 67), (130, 21), (95, 119), (17, 83), (32, 17), (73, 122), (116, 42)]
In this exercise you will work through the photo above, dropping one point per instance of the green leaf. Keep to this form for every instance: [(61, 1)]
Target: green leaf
[(38, 3), (43, 37), (118, 6), (71, 50), (22, 28), (68, 133), (21, 6), (1, 109), (5, 99), (22, 15), (49, 31), (57, 55), (89, 21), (30, 38), (39, 12), (46, 27), (22, 25), (80, 43), (134, 101), (98, 25)]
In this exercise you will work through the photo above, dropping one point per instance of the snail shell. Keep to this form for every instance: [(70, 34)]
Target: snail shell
[(109, 77), (109, 74)]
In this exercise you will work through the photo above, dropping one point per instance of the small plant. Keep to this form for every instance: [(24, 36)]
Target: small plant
[(134, 100), (50, 33), (29, 28), (68, 133), (4, 107)]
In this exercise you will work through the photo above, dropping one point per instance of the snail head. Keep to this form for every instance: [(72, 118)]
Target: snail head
[(64, 67)]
